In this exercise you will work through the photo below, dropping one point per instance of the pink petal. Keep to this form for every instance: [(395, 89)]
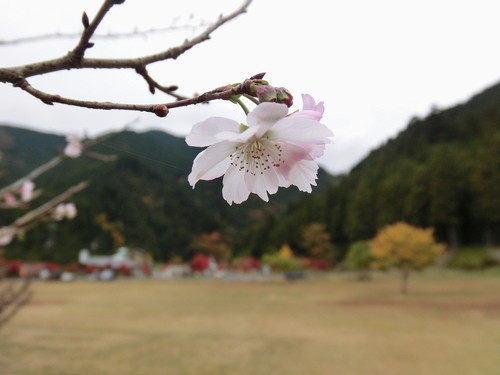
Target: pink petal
[(300, 130), (310, 109)]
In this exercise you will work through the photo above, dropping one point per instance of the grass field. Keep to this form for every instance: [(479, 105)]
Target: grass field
[(448, 324)]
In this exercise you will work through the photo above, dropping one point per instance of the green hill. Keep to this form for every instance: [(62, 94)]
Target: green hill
[(442, 171), (142, 199)]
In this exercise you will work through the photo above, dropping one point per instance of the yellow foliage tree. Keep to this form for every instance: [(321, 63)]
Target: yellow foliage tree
[(286, 251), (405, 247)]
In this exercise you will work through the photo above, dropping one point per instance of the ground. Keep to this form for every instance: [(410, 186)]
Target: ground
[(449, 323)]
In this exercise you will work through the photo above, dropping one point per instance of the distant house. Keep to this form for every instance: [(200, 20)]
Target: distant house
[(124, 262)]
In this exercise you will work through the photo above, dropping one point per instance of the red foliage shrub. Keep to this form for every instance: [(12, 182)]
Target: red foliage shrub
[(200, 262), (13, 267)]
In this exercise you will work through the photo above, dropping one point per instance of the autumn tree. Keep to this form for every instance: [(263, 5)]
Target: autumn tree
[(406, 247), (317, 241), (360, 258), (213, 243)]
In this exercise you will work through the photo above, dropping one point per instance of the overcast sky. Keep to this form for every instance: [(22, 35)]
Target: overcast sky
[(375, 64)]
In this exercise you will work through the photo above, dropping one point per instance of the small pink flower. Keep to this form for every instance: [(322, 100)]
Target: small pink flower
[(74, 147), (275, 149), (27, 191), (64, 211), (10, 200)]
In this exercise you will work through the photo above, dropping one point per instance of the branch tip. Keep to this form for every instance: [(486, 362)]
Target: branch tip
[(85, 20)]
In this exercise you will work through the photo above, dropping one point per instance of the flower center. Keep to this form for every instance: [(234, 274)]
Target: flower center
[(256, 156)]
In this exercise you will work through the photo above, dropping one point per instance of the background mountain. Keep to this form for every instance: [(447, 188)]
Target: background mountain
[(141, 199), (442, 171)]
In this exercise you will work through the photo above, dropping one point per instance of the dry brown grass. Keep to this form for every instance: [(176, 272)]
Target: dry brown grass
[(447, 325)]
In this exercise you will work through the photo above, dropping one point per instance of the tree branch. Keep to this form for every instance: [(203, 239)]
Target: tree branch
[(75, 60), (161, 109), (12, 74)]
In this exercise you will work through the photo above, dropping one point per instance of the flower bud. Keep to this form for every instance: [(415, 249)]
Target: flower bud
[(266, 93), (284, 96), (160, 110)]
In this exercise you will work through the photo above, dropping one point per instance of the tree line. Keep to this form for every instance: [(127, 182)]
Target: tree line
[(442, 171)]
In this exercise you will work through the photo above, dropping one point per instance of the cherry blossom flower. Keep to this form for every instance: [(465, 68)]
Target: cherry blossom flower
[(27, 191), (74, 147), (64, 211), (10, 200), (275, 150)]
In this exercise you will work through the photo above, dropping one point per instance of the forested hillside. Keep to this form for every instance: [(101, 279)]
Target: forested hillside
[(442, 171), (141, 199)]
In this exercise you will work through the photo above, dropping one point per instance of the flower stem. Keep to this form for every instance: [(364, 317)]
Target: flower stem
[(251, 98), (242, 105)]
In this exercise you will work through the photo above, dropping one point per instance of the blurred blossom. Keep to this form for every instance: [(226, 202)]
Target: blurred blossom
[(10, 200), (27, 191), (64, 211), (74, 147)]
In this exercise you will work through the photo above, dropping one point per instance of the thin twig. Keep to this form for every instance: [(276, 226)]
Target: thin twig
[(76, 55), (109, 35), (12, 300)]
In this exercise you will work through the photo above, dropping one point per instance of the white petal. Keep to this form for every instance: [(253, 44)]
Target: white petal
[(265, 115), (262, 182), (234, 188), (211, 163), (238, 137), (303, 174), (205, 133)]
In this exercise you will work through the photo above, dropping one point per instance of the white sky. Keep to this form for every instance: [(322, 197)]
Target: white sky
[(375, 64)]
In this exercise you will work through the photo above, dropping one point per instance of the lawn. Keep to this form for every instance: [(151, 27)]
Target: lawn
[(448, 324)]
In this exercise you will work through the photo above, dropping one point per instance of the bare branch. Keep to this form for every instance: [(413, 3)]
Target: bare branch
[(67, 62), (12, 299), (75, 60), (161, 109), (155, 85)]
